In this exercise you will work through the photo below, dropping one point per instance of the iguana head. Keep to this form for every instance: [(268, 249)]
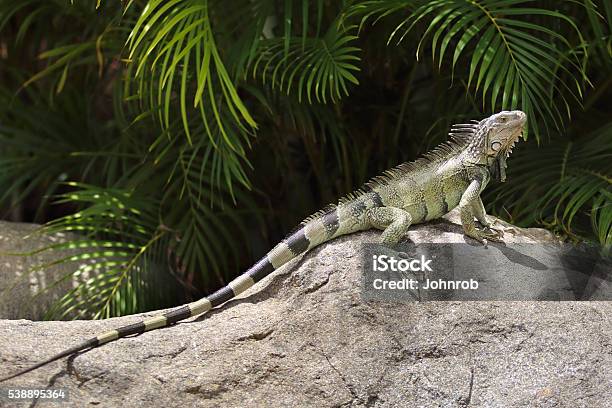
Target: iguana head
[(492, 140), (503, 130)]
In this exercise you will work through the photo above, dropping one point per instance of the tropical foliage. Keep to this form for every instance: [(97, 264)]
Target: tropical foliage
[(181, 138)]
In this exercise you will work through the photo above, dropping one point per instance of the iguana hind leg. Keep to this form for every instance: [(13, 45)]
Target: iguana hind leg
[(392, 220)]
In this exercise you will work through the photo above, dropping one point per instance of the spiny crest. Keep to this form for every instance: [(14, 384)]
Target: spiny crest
[(460, 136), (464, 132), (325, 210), (352, 196)]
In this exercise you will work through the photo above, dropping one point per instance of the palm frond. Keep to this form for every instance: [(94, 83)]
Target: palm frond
[(172, 45), (598, 16), (316, 68), (561, 182), (119, 250), (580, 191), (210, 236), (517, 59)]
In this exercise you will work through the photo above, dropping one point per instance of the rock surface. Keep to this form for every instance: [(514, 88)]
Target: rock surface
[(21, 280), (305, 337)]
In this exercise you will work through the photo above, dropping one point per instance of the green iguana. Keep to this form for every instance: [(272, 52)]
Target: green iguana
[(453, 174)]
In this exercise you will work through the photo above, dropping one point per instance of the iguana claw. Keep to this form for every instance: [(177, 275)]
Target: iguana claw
[(496, 233), (488, 234)]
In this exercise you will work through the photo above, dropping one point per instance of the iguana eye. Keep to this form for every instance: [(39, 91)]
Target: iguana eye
[(495, 146), (503, 119)]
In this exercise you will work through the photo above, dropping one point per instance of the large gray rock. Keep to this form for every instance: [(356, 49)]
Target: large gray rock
[(26, 290), (305, 337)]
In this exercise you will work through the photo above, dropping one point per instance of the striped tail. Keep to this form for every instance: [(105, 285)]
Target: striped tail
[(311, 233)]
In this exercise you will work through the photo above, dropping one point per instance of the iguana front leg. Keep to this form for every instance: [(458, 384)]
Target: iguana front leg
[(392, 220), (480, 212), (481, 216), (471, 206)]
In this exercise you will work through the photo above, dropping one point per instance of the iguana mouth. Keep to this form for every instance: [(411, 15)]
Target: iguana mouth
[(510, 147)]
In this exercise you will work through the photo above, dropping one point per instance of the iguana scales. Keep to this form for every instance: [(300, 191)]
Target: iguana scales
[(453, 174)]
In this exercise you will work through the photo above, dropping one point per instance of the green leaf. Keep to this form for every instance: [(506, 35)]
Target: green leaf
[(511, 35), (318, 67)]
